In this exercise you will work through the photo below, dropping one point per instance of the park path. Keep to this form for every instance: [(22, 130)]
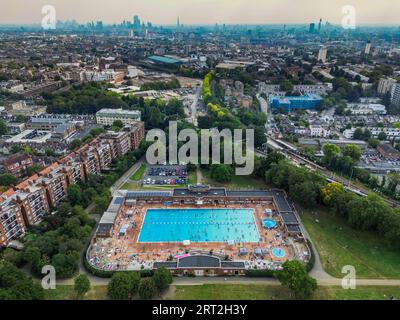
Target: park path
[(199, 174)]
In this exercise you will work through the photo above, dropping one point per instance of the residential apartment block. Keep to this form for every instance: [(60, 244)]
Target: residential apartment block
[(27, 203), (107, 117)]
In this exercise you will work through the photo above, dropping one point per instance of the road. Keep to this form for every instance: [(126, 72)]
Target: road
[(193, 107)]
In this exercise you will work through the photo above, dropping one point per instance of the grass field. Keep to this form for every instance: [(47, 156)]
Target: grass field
[(66, 292), (268, 292), (339, 245), (131, 186), (239, 292), (238, 182), (192, 177), (139, 173)]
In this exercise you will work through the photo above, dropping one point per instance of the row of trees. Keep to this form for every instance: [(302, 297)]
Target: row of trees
[(87, 98), (127, 285), (369, 213), (60, 238)]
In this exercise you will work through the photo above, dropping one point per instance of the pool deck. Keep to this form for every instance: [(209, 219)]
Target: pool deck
[(126, 253)]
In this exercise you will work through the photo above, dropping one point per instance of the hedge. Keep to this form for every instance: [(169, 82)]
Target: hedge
[(311, 262), (259, 273)]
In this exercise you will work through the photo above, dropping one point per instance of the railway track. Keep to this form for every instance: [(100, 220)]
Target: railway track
[(330, 176)]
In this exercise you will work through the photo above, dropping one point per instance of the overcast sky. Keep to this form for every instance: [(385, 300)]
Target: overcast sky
[(203, 11)]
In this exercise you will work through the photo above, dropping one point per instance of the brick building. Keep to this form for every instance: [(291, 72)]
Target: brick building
[(29, 201)]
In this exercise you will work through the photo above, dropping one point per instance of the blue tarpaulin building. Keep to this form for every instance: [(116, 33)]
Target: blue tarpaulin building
[(308, 101)]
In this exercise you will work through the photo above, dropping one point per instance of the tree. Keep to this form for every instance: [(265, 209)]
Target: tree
[(330, 191), (82, 285), (13, 256), (259, 137), (123, 285), (294, 276), (352, 151), (35, 168), (118, 123), (75, 144), (147, 288), (15, 284), (31, 254), (66, 265), (20, 118), (286, 86), (382, 136), (162, 278), (74, 194), (221, 172), (358, 134), (3, 127), (330, 151), (7, 179), (373, 142)]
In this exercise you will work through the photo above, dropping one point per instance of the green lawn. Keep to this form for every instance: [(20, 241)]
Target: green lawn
[(192, 177), (139, 173), (66, 292), (131, 186), (238, 182), (227, 292), (339, 245), (268, 292)]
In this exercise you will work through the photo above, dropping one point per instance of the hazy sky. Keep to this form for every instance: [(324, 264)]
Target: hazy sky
[(203, 11)]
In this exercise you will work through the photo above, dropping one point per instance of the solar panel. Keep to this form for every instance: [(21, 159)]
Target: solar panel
[(119, 200)]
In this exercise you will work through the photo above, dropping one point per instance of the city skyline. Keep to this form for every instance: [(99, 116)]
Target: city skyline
[(201, 12)]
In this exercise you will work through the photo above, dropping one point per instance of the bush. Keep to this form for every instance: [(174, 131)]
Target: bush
[(311, 262)]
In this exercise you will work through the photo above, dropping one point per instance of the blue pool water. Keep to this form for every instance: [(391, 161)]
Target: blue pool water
[(199, 225), (279, 252), (269, 223)]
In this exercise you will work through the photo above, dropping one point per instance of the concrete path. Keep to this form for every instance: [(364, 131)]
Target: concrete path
[(199, 174), (126, 176)]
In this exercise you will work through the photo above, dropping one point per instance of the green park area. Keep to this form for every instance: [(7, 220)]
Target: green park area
[(339, 245), (66, 292), (272, 292), (237, 291), (236, 183)]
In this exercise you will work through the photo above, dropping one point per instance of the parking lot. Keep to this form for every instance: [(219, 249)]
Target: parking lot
[(165, 175)]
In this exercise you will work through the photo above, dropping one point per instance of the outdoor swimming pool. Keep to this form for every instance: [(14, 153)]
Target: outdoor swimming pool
[(199, 225)]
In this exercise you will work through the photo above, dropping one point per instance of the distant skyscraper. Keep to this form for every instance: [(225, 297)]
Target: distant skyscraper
[(319, 25), (136, 23), (367, 49), (312, 28), (322, 54)]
